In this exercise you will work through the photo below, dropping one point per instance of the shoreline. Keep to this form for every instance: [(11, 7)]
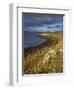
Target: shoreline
[(44, 57)]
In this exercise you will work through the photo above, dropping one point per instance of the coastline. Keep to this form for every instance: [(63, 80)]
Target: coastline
[(34, 57)]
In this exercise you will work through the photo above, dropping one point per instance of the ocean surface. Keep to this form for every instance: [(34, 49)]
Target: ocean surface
[(32, 39)]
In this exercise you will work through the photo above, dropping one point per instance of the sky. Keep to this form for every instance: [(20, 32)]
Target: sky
[(42, 22)]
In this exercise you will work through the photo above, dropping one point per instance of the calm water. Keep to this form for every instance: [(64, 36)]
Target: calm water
[(32, 39)]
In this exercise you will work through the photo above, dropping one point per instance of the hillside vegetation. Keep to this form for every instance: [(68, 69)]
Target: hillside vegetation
[(46, 57)]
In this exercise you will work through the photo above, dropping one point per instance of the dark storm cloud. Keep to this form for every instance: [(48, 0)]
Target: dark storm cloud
[(32, 19)]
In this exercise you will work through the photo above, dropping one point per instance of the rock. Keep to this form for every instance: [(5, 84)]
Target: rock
[(52, 53)]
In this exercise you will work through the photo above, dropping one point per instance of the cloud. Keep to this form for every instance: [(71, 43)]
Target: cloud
[(42, 22), (31, 19), (45, 27)]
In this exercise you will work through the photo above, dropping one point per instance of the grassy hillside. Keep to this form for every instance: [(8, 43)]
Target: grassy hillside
[(46, 57)]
